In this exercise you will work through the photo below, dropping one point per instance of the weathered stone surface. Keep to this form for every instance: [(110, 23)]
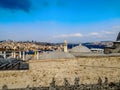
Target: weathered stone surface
[(115, 48), (41, 72), (4, 87)]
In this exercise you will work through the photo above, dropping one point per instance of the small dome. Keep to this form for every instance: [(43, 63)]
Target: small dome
[(56, 55), (80, 49)]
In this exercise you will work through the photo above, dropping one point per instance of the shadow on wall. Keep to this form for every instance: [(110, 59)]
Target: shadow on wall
[(106, 85)]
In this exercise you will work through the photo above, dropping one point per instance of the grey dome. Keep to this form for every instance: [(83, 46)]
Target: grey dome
[(80, 49), (56, 55)]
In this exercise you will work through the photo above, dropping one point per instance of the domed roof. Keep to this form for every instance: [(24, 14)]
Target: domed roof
[(80, 49), (56, 55)]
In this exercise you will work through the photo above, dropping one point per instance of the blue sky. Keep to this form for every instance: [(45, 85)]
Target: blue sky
[(59, 20)]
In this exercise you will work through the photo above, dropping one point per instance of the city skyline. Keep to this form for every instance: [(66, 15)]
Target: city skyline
[(59, 20)]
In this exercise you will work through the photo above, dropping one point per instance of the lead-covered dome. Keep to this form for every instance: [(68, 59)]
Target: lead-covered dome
[(56, 55), (80, 49)]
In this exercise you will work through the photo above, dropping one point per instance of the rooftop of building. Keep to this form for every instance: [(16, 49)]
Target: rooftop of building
[(80, 49), (56, 55)]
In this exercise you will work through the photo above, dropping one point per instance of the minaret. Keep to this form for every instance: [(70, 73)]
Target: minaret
[(65, 46)]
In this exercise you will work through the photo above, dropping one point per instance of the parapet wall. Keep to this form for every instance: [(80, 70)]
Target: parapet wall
[(41, 72)]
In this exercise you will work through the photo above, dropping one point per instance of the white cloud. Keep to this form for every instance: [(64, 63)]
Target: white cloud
[(102, 33), (96, 35), (93, 34), (69, 35), (108, 32)]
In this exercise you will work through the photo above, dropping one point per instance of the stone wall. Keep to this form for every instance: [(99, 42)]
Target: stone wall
[(41, 72), (114, 49)]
